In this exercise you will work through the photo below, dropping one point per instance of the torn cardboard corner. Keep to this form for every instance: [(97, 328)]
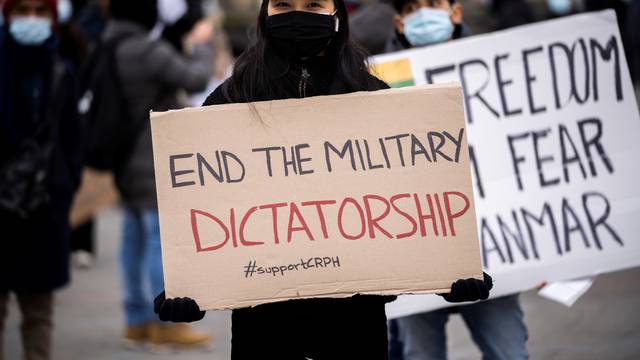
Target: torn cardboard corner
[(332, 196)]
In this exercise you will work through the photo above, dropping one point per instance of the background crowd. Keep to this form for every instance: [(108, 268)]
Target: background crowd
[(60, 58)]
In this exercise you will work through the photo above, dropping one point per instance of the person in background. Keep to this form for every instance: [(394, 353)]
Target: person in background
[(497, 325), (40, 164), (92, 19), (151, 72), (558, 8), (425, 22), (370, 24)]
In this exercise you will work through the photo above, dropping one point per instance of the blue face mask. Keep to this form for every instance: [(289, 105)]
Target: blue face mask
[(559, 7), (427, 26), (30, 30), (65, 11)]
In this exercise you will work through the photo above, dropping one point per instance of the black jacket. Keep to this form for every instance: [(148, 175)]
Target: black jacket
[(35, 249), (349, 328)]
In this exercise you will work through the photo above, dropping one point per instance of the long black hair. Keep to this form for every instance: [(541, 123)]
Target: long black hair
[(256, 69)]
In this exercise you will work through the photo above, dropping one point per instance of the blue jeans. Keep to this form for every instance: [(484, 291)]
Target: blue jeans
[(496, 326), (141, 265)]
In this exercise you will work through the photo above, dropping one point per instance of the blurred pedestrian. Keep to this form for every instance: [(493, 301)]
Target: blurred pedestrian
[(497, 326), (302, 49), (40, 162), (151, 72), (558, 8), (370, 25), (420, 23), (511, 13)]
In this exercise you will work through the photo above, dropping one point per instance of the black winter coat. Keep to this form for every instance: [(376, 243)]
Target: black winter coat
[(318, 329), (35, 250)]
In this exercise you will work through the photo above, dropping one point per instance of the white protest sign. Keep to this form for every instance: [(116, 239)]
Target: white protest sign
[(553, 130)]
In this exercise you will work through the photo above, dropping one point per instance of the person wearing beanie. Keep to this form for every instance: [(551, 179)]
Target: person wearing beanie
[(152, 73), (302, 49), (40, 163)]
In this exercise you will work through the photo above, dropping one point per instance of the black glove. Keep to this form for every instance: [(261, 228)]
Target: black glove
[(469, 290), (177, 310)]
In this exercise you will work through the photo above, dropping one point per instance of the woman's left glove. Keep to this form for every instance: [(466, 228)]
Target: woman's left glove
[(465, 290), (177, 310)]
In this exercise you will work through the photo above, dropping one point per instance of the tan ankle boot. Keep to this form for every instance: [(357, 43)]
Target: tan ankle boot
[(177, 334), (137, 333)]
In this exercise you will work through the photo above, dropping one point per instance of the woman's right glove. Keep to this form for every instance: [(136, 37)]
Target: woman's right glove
[(177, 310)]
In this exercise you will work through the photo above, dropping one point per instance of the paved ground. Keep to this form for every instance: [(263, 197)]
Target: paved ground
[(604, 324)]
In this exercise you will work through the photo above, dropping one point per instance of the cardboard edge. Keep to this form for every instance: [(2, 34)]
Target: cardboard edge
[(454, 85)]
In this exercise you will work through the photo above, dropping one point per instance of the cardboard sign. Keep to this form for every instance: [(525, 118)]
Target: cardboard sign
[(553, 132), (330, 196)]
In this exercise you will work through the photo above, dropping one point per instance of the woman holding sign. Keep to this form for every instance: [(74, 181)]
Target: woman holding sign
[(302, 49)]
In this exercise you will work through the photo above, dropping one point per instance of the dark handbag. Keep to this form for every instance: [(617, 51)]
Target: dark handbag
[(24, 179), (25, 187)]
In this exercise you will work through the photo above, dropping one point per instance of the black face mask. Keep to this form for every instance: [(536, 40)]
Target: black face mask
[(300, 34)]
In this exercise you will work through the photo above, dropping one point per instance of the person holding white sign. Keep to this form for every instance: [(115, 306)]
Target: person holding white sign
[(302, 49), (425, 22), (497, 326)]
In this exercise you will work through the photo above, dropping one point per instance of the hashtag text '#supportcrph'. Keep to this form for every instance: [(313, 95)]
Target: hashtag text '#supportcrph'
[(308, 264)]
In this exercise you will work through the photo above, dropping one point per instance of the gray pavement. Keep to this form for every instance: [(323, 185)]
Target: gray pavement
[(603, 324)]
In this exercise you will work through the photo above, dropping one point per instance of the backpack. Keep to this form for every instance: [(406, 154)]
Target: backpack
[(112, 131)]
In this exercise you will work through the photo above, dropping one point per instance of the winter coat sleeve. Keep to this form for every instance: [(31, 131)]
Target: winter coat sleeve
[(191, 73)]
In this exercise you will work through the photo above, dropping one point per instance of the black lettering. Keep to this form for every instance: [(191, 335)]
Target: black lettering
[(175, 173), (502, 84), (430, 73), (398, 139), (267, 152), (606, 54), (568, 159), (516, 159), (417, 149), (530, 79), (219, 176), (537, 135), (594, 141), (601, 220), (300, 159), (348, 147), (486, 250), (567, 212), (469, 95), (225, 156), (435, 149)]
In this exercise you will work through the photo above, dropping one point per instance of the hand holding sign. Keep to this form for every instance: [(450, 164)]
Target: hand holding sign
[(469, 290), (177, 310)]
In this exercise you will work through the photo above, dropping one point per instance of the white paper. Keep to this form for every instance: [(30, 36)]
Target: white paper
[(566, 292)]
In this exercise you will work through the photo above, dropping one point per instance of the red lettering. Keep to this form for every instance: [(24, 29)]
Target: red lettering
[(440, 215), (414, 225), (232, 222), (290, 229), (318, 205), (362, 222), (447, 206), (274, 216), (196, 234), (243, 223), (373, 222), (422, 217)]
